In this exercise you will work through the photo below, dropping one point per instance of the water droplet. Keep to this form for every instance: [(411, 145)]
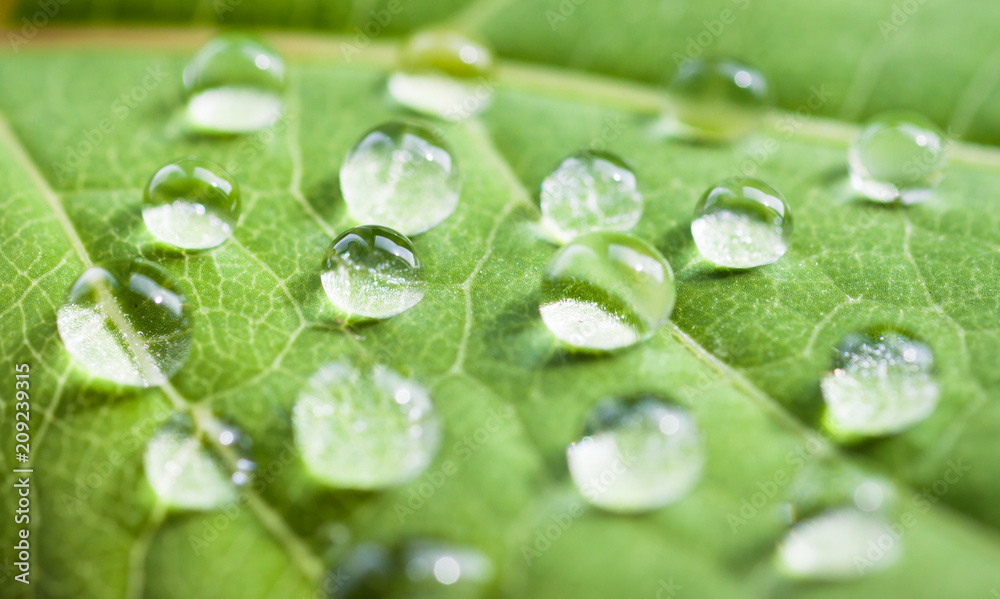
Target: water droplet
[(742, 223), (400, 175), (445, 74), (636, 455), (126, 322), (235, 85), (396, 442), (897, 156), (192, 204), (717, 99), (590, 191), (185, 471), (882, 382), (836, 545), (415, 568), (373, 272)]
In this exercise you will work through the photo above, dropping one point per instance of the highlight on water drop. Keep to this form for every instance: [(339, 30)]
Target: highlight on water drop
[(445, 74), (742, 223), (126, 322), (365, 427), (636, 455), (192, 204), (897, 156), (590, 191), (372, 272), (717, 99), (605, 291), (235, 84), (402, 176)]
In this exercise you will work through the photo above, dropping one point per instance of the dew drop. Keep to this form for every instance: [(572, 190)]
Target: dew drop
[(717, 99), (897, 156), (235, 85), (395, 442), (590, 191), (831, 546), (402, 176), (191, 204), (414, 568), (444, 74), (742, 223), (636, 455), (185, 471), (604, 291), (882, 382), (126, 322), (372, 272)]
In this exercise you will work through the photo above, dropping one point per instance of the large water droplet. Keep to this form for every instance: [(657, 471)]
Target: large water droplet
[(365, 428), (897, 156), (417, 568), (837, 545), (402, 176), (373, 272), (186, 469), (882, 382), (445, 74), (717, 99), (636, 455), (742, 223), (126, 322), (235, 85), (590, 191), (604, 291), (192, 204)]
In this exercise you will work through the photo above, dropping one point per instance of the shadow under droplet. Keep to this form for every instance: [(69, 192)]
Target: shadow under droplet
[(326, 199)]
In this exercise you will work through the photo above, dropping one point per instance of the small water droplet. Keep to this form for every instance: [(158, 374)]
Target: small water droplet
[(235, 85), (191, 204), (742, 223), (402, 176), (717, 99), (830, 545), (185, 471), (882, 382), (384, 452), (604, 291), (446, 74), (590, 191), (112, 325), (897, 156), (413, 568), (636, 455), (372, 272)]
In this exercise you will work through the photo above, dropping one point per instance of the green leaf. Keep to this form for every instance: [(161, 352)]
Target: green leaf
[(86, 123)]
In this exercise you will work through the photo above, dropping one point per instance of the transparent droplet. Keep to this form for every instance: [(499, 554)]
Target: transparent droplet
[(897, 156), (636, 455), (192, 204), (882, 382), (742, 223), (604, 291), (413, 568), (839, 544), (188, 468), (590, 191), (402, 176), (717, 99), (373, 272), (444, 74), (126, 322), (365, 428), (235, 84)]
